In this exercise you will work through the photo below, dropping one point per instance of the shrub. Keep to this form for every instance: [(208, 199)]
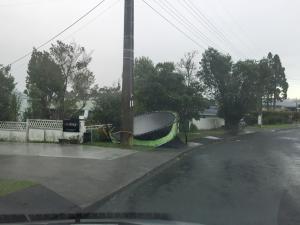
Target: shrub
[(274, 117), (193, 128), (296, 116), (251, 118)]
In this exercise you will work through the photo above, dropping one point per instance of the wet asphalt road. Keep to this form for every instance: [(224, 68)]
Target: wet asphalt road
[(254, 179)]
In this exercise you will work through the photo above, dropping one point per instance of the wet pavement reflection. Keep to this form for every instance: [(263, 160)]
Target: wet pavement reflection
[(255, 180)]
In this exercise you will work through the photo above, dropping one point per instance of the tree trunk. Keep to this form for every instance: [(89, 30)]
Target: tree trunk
[(274, 101), (268, 102), (232, 126), (260, 114)]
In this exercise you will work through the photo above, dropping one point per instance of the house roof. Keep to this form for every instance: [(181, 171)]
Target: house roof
[(211, 111), (288, 103)]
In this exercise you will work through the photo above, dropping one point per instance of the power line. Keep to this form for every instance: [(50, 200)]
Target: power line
[(93, 19), (209, 25), (60, 33), (172, 24), (178, 19), (182, 19), (231, 31), (250, 41)]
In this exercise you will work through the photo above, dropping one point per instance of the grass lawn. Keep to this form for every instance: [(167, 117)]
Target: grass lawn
[(202, 133), (275, 126), (10, 186)]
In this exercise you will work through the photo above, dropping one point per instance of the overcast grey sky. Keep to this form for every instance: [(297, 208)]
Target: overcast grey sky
[(246, 29)]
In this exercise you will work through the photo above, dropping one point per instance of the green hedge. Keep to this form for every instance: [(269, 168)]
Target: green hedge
[(273, 117), (277, 117)]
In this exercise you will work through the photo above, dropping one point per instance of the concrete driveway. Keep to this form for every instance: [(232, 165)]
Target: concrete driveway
[(82, 175), (62, 151)]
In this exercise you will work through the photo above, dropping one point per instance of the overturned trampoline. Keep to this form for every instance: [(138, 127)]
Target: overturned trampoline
[(152, 129)]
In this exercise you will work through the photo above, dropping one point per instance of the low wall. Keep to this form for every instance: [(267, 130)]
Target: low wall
[(12, 135), (44, 135), (37, 131)]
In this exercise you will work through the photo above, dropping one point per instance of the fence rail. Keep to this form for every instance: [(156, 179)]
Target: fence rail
[(46, 124), (97, 126), (9, 125)]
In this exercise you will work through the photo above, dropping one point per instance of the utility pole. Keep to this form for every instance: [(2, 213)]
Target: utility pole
[(127, 75)]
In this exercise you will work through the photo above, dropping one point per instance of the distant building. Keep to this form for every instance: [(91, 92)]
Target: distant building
[(209, 119), (287, 105), (23, 104)]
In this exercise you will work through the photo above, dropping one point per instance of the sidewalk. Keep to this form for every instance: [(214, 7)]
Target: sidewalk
[(79, 176)]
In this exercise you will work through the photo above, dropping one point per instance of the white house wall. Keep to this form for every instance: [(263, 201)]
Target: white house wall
[(209, 123)]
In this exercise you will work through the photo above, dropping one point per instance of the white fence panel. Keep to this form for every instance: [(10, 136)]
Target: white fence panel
[(46, 124), (8, 125), (37, 130), (45, 130), (12, 131)]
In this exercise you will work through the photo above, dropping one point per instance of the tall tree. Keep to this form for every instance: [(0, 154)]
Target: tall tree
[(73, 61), (144, 71), (262, 87), (108, 106), (187, 67), (192, 99), (7, 86), (276, 89), (160, 89), (43, 84), (15, 105), (232, 85)]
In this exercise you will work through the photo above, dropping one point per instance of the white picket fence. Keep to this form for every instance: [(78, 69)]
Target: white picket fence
[(36, 130)]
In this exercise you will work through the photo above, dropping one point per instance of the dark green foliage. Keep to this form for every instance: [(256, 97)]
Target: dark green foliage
[(44, 85), (15, 105), (276, 85), (73, 62), (273, 117), (193, 128), (233, 86), (160, 87), (251, 118), (8, 99), (58, 83), (108, 106)]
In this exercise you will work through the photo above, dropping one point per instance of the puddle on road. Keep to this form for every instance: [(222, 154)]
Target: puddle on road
[(290, 138), (212, 138), (292, 168)]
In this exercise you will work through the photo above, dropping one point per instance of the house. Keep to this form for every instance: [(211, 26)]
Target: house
[(288, 105), (209, 119)]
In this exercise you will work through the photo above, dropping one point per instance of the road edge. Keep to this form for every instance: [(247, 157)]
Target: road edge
[(151, 173)]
